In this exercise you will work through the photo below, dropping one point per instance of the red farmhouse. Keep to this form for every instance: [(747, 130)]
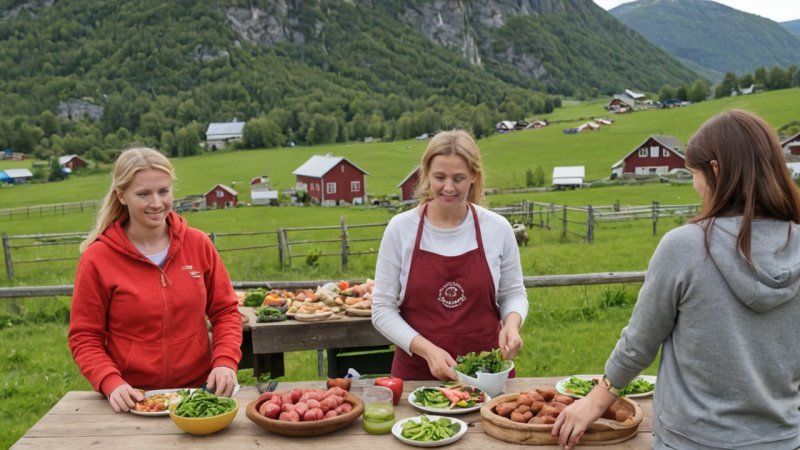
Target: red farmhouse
[(221, 196), (72, 162), (656, 155), (409, 185), (792, 145), (332, 180)]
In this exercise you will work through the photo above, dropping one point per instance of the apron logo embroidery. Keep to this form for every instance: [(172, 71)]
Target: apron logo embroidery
[(451, 295)]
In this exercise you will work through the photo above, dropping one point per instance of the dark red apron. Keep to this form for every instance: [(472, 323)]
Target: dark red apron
[(449, 300)]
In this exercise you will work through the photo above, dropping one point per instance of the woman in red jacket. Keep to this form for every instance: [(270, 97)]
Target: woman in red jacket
[(145, 284)]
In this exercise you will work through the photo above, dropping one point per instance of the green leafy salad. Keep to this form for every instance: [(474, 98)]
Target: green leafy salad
[(489, 362), (582, 387), (427, 430)]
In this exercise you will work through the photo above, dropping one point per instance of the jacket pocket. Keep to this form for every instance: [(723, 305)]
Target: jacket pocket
[(140, 363)]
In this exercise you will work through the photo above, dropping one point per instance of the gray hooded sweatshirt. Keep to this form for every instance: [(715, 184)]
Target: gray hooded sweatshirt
[(729, 337)]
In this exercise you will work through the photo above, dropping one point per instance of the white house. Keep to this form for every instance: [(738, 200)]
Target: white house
[(568, 176), (220, 134)]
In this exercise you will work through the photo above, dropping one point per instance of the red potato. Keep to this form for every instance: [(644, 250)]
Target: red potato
[(330, 414), (270, 410), (301, 408), (312, 403), (276, 399), (345, 408), (287, 398), (295, 394), (289, 417), (287, 407), (336, 391), (313, 414), (265, 396), (327, 404)]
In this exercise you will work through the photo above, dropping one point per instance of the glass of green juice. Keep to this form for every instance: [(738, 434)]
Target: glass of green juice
[(378, 410)]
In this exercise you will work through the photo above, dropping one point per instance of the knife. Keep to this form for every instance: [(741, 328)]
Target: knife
[(272, 385)]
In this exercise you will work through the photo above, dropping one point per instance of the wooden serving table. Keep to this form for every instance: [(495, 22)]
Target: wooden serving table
[(84, 419), (268, 341)]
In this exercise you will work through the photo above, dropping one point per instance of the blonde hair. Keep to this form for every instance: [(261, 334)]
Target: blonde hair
[(128, 164), (453, 142)]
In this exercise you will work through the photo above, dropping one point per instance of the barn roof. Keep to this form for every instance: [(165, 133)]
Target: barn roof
[(410, 174), (317, 166), (796, 137), (230, 190), (67, 158), (669, 142), (222, 130), (18, 173)]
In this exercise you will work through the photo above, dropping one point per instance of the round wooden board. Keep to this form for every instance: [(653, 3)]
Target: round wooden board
[(359, 312), (601, 432), (306, 429)]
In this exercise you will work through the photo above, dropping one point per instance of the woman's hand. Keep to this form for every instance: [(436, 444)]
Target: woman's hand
[(124, 397), (439, 361), (575, 419), (510, 340), (221, 381)]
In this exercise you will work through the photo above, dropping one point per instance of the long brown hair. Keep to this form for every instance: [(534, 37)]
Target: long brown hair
[(453, 142), (752, 179), (129, 163)]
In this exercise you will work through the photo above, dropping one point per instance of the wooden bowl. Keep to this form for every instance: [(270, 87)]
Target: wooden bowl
[(305, 429), (601, 432)]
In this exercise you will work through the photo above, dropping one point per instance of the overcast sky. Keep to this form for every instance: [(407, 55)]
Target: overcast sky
[(777, 10)]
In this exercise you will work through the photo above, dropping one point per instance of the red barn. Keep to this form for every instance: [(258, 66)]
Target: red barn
[(409, 185), (332, 180), (792, 145), (221, 196), (656, 155), (72, 162)]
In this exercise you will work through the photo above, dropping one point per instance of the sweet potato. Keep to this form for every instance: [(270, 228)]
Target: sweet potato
[(518, 417)]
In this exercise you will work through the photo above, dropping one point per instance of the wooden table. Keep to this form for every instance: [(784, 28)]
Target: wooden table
[(85, 420), (268, 341)]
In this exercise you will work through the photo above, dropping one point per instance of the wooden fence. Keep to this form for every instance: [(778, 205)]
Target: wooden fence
[(581, 221), (26, 212), (581, 279)]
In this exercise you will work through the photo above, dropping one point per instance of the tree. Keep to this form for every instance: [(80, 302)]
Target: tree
[(187, 141), (56, 173), (698, 91), (49, 123), (666, 92), (263, 133), (682, 93)]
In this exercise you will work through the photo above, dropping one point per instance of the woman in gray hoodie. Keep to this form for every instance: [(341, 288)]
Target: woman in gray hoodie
[(721, 298)]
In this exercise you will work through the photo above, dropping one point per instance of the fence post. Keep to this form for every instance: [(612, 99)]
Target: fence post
[(590, 226), (345, 246), (655, 218), (564, 222), (7, 253), (287, 249), (280, 247), (213, 238)]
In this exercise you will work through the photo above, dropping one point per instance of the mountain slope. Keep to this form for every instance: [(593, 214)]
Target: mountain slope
[(792, 26), (710, 34)]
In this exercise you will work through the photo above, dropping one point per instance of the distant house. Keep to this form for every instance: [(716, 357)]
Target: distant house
[(791, 145), (409, 185), (263, 195), (332, 180), (621, 104), (636, 96), (568, 176), (15, 176), (221, 196), (505, 126), (537, 124), (656, 155), (220, 134), (589, 126), (743, 91), (520, 125), (72, 162)]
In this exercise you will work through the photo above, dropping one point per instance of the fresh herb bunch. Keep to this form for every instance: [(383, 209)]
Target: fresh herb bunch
[(489, 362), (269, 314), (255, 297)]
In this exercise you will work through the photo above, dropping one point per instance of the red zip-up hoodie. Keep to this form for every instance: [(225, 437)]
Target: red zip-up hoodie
[(134, 322)]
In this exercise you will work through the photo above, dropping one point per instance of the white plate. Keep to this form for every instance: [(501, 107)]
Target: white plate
[(561, 390), (167, 391), (397, 430), (413, 396)]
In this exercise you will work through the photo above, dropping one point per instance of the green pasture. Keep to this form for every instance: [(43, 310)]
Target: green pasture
[(568, 329), (507, 156)]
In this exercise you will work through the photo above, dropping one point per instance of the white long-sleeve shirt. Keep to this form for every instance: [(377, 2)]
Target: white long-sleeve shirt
[(394, 262)]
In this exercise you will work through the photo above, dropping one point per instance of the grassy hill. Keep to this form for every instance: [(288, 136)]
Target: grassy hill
[(507, 156), (710, 34)]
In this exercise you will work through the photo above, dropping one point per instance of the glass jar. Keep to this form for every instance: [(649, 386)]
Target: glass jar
[(378, 410)]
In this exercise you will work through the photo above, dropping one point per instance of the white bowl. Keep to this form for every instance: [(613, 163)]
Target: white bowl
[(491, 383)]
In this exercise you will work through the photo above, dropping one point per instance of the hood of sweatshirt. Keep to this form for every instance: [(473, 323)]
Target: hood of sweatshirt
[(776, 259), (114, 236)]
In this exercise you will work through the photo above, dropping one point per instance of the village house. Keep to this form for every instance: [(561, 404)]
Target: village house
[(72, 162), (791, 146), (409, 185), (15, 176), (621, 104), (261, 192), (656, 155), (537, 124), (332, 180), (504, 126), (221, 196), (568, 176), (220, 134)]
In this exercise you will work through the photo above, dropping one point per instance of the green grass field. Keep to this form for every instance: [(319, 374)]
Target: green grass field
[(568, 329)]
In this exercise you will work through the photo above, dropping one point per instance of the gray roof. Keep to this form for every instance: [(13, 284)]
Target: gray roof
[(224, 130), (18, 173), (66, 158), (318, 165)]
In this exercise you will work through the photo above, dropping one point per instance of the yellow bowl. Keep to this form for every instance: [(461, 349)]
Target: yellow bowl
[(205, 425)]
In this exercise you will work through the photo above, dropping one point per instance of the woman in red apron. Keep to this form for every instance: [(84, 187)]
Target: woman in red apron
[(451, 300)]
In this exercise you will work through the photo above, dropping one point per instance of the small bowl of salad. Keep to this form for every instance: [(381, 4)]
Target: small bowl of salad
[(487, 371)]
